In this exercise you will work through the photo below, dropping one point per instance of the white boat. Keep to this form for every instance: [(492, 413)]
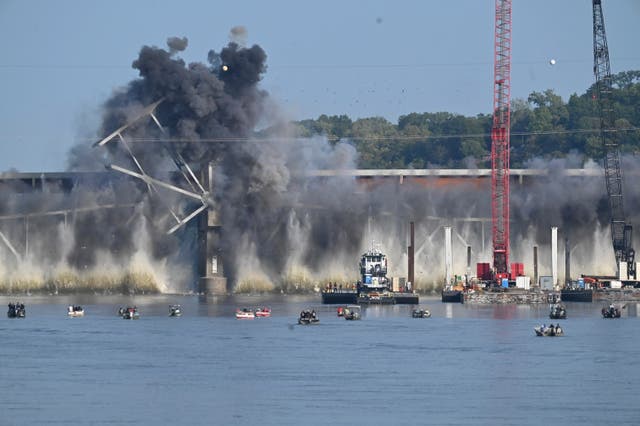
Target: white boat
[(75, 311), (245, 313), (175, 311), (352, 312), (420, 313)]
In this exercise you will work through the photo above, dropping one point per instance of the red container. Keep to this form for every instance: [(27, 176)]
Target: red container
[(483, 271), (517, 270)]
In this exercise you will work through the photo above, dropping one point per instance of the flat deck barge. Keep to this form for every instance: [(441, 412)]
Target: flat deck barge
[(386, 298)]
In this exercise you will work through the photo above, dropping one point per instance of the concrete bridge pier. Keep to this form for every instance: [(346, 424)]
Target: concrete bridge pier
[(210, 266)]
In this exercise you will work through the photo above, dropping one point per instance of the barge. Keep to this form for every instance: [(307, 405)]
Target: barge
[(374, 287), (576, 295)]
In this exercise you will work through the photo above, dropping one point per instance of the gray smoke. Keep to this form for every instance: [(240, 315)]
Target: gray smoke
[(238, 35), (177, 44), (282, 228)]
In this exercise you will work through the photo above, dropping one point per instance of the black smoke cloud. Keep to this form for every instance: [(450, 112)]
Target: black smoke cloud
[(279, 225)]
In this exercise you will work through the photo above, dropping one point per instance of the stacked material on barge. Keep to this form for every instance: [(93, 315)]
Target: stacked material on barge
[(374, 287)]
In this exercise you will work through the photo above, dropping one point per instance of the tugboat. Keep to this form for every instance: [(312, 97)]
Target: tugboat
[(308, 317), (175, 310), (558, 311), (611, 312), (374, 287), (16, 310)]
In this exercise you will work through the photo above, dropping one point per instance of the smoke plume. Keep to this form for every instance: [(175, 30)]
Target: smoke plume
[(283, 226)]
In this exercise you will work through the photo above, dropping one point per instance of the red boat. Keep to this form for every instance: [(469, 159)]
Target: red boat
[(263, 312)]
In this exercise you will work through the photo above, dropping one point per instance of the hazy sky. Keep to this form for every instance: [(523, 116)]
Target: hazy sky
[(61, 59)]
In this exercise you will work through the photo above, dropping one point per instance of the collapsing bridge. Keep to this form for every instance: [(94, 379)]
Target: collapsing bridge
[(18, 227)]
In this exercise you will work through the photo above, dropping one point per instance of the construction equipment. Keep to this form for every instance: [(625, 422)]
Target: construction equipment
[(621, 231), (500, 140)]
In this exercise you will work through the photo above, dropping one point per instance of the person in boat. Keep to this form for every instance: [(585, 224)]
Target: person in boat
[(313, 314)]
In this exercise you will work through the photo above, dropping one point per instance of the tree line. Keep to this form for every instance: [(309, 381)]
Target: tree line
[(542, 126)]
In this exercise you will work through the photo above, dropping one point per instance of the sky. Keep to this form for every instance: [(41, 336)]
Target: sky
[(62, 59)]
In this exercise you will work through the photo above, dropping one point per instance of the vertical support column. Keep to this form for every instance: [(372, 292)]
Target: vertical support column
[(535, 265), (210, 255), (466, 281), (567, 262), (411, 266), (554, 255), (448, 255), (26, 237)]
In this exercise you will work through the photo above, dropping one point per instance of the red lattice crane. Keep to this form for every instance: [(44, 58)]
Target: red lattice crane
[(500, 140)]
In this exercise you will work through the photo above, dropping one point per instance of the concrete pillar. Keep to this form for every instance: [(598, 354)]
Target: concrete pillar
[(448, 255), (468, 265), (411, 270), (210, 255), (554, 255), (567, 261), (535, 265)]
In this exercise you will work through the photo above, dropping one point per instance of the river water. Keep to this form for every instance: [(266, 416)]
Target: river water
[(465, 365)]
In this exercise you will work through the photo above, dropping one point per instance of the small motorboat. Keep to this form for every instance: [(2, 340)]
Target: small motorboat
[(308, 317), (129, 313), (263, 312), (611, 312), (175, 310), (421, 313), (245, 313), (352, 312), (75, 311), (549, 331), (16, 310), (558, 311)]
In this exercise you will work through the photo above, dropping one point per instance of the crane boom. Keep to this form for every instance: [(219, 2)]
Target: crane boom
[(621, 232), (500, 135)]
